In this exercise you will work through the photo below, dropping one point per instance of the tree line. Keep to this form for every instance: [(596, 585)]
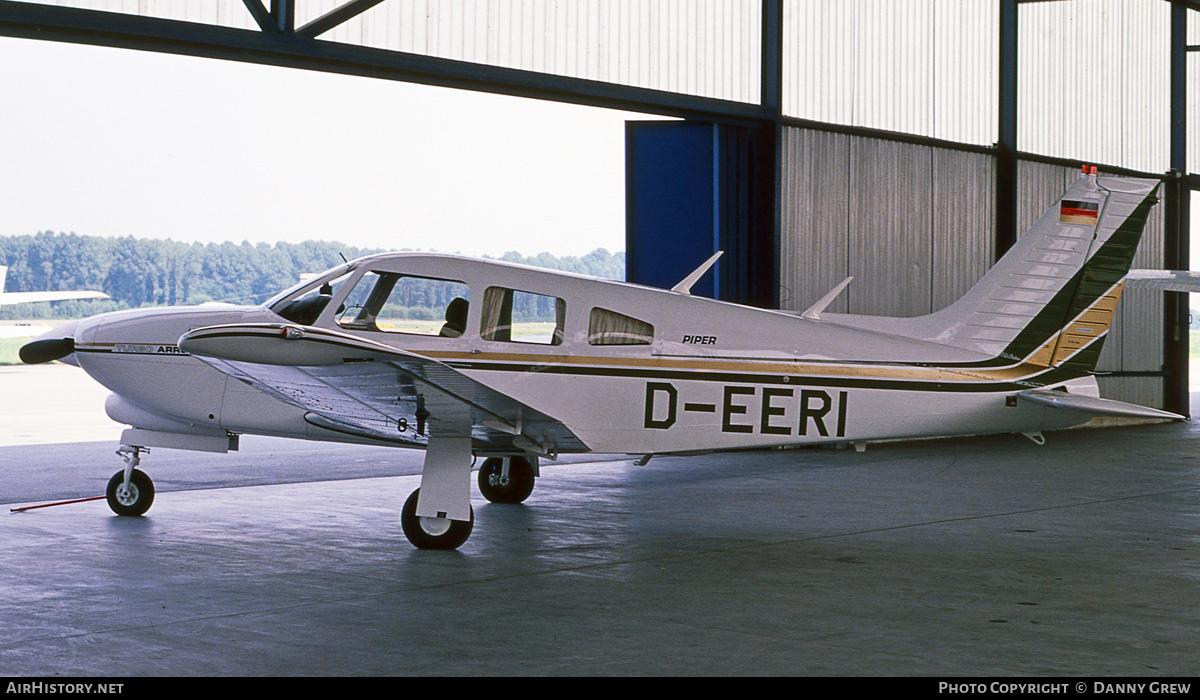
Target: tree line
[(150, 272)]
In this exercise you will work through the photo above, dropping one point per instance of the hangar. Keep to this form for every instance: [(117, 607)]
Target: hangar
[(904, 143), (785, 106)]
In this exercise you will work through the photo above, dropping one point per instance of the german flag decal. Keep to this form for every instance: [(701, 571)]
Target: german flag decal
[(1076, 212)]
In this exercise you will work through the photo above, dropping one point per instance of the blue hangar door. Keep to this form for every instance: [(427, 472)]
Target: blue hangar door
[(693, 188)]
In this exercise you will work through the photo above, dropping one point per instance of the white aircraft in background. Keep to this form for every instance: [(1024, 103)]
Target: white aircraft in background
[(1186, 281), (530, 363), (26, 297)]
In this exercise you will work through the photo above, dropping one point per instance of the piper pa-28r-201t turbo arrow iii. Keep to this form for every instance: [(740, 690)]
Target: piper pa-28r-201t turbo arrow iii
[(523, 364)]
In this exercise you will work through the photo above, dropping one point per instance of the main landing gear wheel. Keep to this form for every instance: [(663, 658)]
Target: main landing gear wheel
[(433, 533), (511, 487), (134, 499)]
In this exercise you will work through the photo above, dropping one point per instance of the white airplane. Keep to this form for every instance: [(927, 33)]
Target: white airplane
[(1186, 281), (26, 297), (530, 364)]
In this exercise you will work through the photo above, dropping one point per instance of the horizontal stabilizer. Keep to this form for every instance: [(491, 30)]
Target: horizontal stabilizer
[(1165, 280), (1094, 405)]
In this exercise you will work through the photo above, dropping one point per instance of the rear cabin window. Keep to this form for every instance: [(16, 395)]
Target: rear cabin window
[(389, 302), (611, 328), (513, 316)]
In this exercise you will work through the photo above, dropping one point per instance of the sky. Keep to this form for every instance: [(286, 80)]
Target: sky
[(113, 142)]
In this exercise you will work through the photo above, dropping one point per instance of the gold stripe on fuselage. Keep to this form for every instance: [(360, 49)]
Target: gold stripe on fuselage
[(1089, 326), (799, 368)]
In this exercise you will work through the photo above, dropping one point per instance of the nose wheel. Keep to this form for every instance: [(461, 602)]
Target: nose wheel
[(433, 533), (130, 491)]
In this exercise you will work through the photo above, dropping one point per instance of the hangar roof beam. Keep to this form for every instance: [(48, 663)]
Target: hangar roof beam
[(279, 46), (281, 17)]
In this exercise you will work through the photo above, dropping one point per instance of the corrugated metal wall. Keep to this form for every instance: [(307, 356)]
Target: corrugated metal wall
[(891, 227), (926, 67), (1094, 81), (964, 224), (223, 13), (913, 224), (708, 48), (815, 217), (1193, 101)]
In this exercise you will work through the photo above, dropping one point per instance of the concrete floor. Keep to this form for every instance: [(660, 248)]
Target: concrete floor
[(982, 556)]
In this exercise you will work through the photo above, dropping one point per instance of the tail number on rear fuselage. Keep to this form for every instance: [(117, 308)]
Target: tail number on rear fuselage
[(781, 410)]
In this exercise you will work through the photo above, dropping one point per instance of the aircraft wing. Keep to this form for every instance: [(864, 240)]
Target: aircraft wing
[(360, 387), (1093, 405), (28, 297), (1165, 280)]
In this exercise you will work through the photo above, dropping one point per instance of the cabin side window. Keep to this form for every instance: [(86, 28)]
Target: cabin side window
[(611, 328), (513, 316), (388, 302)]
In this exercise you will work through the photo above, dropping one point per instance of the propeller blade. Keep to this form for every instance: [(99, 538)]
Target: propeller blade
[(39, 351)]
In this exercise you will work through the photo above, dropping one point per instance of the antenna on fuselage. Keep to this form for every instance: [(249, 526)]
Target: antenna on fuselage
[(814, 312), (685, 286)]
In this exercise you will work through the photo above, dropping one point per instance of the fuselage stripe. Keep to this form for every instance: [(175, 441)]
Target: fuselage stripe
[(1042, 378)]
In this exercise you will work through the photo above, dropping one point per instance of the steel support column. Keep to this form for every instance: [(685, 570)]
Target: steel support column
[(761, 287), (1177, 223), (1006, 146)]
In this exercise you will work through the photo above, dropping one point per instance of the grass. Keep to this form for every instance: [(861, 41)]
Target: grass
[(9, 348)]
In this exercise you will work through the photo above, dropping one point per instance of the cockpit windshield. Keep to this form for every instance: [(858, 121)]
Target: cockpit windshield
[(304, 303)]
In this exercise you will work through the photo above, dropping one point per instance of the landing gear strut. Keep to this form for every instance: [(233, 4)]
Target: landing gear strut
[(439, 515), (130, 491)]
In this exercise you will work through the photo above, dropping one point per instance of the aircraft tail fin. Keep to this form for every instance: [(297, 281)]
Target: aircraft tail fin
[(3, 275), (1051, 299)]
